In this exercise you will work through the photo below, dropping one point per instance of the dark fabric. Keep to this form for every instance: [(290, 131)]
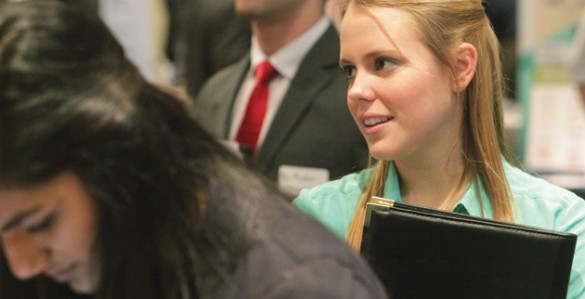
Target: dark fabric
[(214, 38), (177, 24), (297, 258)]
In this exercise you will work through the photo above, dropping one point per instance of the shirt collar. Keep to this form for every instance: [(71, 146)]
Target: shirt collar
[(470, 202), (391, 186), (288, 58)]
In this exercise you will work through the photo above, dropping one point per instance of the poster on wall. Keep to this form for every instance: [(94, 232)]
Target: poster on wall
[(553, 138)]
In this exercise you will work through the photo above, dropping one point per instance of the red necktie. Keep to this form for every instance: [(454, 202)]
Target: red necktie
[(252, 123)]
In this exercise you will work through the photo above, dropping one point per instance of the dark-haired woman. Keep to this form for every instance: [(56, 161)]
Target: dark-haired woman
[(109, 188)]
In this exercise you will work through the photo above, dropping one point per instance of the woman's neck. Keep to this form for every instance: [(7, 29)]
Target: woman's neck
[(437, 185)]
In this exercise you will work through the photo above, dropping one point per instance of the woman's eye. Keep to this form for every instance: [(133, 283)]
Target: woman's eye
[(381, 63), (348, 71), (44, 224)]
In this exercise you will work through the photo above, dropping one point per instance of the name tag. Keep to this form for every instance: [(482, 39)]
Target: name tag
[(292, 179)]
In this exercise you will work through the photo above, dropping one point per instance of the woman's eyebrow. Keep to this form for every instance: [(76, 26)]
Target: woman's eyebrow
[(18, 219)]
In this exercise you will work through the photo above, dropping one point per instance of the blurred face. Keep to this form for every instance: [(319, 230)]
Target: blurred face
[(401, 97), (48, 230), (255, 10)]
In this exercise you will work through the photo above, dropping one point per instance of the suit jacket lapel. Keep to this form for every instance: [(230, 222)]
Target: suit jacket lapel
[(226, 96), (317, 69)]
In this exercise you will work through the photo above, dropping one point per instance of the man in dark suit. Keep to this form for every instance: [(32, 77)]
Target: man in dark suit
[(307, 136)]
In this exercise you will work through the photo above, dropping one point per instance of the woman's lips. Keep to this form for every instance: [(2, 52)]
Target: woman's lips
[(374, 124), (373, 121)]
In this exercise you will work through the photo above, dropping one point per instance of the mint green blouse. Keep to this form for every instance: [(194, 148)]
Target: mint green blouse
[(538, 203)]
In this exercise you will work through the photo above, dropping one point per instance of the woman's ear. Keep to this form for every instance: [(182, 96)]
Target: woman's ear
[(465, 62)]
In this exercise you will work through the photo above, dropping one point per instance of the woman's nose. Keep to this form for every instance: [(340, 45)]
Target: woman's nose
[(25, 257), (360, 89)]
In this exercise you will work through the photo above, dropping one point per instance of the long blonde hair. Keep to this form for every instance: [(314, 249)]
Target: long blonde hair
[(442, 25)]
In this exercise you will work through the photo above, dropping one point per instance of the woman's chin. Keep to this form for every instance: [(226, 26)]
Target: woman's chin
[(380, 152)]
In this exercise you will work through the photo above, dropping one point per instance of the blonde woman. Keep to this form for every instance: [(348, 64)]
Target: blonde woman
[(425, 89)]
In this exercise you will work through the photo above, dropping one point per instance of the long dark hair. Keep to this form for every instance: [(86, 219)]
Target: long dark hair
[(175, 209)]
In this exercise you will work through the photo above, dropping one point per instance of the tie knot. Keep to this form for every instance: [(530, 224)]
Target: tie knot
[(265, 72)]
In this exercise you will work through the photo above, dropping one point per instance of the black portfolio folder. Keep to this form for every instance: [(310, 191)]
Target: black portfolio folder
[(425, 253)]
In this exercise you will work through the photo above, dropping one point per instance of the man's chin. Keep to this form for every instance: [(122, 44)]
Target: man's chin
[(84, 288)]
